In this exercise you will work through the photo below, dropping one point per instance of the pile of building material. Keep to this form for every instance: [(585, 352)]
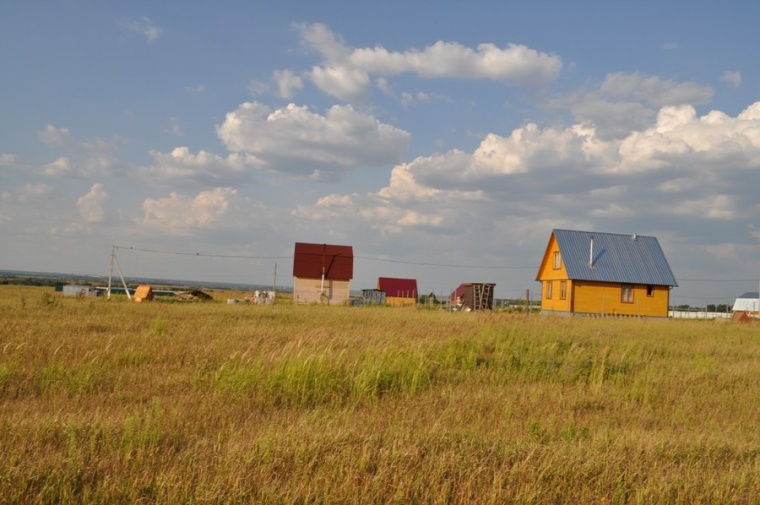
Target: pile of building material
[(143, 293), (261, 297), (255, 298), (79, 291), (195, 295), (745, 317)]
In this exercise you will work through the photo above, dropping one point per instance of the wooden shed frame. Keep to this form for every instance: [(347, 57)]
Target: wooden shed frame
[(473, 296)]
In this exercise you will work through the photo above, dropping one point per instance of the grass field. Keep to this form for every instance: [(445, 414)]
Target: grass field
[(120, 402)]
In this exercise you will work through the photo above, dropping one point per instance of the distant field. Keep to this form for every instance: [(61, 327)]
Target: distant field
[(167, 402)]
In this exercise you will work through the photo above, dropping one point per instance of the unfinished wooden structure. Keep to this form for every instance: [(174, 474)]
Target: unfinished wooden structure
[(322, 273), (473, 296)]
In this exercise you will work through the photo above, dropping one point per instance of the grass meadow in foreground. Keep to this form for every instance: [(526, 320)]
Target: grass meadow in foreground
[(120, 402)]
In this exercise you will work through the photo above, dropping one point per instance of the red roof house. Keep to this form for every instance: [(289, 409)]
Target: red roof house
[(398, 291), (322, 273)]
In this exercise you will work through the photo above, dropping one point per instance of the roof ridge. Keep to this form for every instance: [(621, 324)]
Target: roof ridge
[(604, 232)]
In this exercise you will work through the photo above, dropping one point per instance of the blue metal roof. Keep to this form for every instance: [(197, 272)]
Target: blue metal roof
[(750, 294), (617, 257)]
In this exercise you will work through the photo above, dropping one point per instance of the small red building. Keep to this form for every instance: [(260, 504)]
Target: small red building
[(398, 291)]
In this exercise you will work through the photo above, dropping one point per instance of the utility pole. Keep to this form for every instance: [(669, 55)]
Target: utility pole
[(274, 284), (527, 300), (114, 259), (110, 274)]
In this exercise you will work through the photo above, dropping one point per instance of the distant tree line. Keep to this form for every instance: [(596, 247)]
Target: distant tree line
[(29, 281), (719, 308), (710, 307)]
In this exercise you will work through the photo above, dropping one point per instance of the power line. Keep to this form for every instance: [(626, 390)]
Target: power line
[(718, 280), (442, 264), (385, 260), (156, 251)]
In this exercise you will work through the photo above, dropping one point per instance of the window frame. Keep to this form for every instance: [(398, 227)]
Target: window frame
[(626, 293), (563, 290), (549, 289), (557, 261), (650, 290)]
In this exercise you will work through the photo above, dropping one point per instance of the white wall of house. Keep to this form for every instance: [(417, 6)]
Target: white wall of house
[(310, 291)]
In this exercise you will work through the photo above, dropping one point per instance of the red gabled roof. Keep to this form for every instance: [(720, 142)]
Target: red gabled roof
[(462, 288), (459, 291), (310, 261), (401, 288)]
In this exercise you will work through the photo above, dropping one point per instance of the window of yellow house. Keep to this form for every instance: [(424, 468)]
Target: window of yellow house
[(562, 290), (650, 290), (626, 295), (549, 290), (557, 260)]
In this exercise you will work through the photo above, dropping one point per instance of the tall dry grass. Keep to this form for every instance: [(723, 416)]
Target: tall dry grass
[(115, 402)]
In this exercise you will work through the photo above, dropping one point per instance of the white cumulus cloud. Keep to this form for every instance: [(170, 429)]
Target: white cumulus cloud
[(296, 141), (61, 167), (90, 205), (182, 166), (347, 73), (734, 79), (287, 83), (143, 26), (62, 137), (343, 82), (680, 138), (625, 102), (683, 170), (27, 193), (654, 90), (179, 214), (6, 159)]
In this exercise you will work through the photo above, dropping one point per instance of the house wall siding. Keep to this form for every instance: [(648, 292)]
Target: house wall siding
[(306, 290), (547, 270), (555, 303), (547, 273), (400, 300), (605, 298)]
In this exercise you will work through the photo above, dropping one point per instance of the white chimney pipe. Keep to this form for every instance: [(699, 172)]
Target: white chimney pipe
[(591, 253)]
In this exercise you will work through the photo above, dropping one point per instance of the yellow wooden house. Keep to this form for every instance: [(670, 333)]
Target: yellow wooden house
[(593, 273)]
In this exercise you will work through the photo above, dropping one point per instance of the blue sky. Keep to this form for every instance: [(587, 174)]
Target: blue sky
[(442, 140)]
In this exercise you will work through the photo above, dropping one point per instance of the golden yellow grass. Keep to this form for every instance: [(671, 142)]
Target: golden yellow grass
[(119, 402)]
